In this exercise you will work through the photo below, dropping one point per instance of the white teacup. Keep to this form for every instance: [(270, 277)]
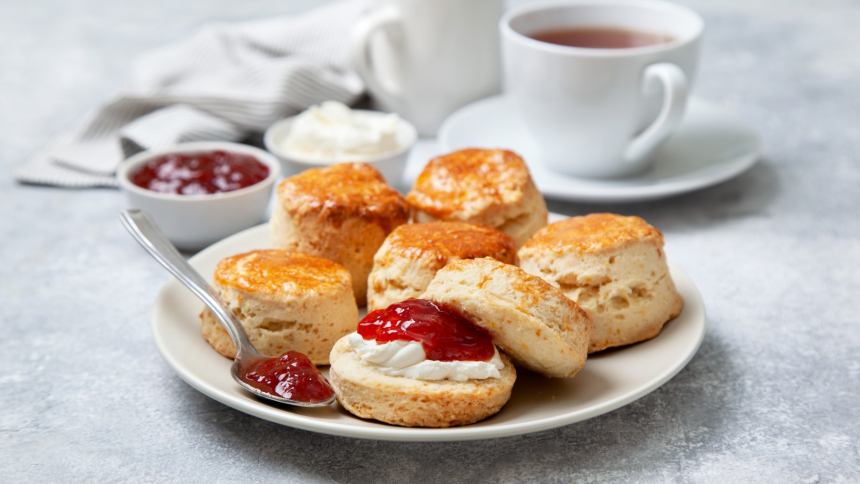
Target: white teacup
[(600, 112), (423, 59)]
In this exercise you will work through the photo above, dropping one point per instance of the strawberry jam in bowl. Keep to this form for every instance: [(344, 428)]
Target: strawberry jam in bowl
[(200, 173), (199, 193)]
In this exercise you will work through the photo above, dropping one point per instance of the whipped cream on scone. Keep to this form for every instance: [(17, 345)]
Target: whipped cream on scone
[(408, 359), (425, 340)]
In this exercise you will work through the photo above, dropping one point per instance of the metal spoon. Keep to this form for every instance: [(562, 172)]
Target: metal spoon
[(143, 229)]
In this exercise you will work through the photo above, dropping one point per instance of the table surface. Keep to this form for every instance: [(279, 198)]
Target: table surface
[(772, 395)]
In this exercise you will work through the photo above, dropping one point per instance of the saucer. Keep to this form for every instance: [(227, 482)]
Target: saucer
[(711, 146)]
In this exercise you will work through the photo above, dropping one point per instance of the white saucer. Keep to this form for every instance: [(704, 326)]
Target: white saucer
[(609, 380), (711, 146)]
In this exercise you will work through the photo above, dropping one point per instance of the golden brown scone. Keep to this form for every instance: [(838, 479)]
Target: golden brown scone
[(368, 393), (342, 212), (612, 266), (532, 321), (492, 187), (411, 254), (285, 301)]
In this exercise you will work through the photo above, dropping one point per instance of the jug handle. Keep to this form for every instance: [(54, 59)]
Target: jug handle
[(384, 18)]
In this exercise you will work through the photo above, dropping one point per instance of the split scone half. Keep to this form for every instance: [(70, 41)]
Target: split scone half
[(286, 301), (411, 402), (528, 318), (411, 254), (491, 187), (614, 267), (342, 212), (418, 363)]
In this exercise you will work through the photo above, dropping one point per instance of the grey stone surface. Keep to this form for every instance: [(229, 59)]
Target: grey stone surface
[(772, 396)]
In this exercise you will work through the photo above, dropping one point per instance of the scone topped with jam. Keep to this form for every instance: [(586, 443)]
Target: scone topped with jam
[(286, 301), (411, 254), (614, 267), (491, 187), (418, 363), (342, 212)]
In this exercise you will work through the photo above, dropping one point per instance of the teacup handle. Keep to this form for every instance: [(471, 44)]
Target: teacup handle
[(674, 84), (365, 28)]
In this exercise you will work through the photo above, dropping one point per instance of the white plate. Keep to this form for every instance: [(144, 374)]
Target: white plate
[(711, 146), (609, 380)]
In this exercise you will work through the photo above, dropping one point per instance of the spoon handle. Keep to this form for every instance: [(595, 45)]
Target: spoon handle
[(141, 226)]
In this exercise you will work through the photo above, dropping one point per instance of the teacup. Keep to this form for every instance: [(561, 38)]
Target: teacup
[(600, 112)]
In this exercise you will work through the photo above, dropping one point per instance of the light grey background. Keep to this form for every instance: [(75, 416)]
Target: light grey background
[(772, 396)]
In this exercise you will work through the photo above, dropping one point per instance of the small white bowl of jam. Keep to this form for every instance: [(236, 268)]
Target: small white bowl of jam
[(199, 193)]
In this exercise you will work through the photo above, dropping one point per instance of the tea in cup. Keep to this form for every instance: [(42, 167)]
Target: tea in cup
[(600, 84)]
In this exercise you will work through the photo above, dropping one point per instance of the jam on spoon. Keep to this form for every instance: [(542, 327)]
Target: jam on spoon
[(443, 332), (292, 376)]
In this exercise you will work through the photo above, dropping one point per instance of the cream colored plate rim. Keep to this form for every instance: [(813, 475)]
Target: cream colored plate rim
[(609, 380)]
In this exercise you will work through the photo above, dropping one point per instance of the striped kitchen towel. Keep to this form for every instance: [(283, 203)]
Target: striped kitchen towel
[(222, 83)]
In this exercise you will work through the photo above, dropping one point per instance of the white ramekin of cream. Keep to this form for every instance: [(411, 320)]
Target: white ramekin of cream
[(333, 133)]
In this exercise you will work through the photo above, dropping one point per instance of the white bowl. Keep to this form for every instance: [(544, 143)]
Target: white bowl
[(195, 221), (391, 163)]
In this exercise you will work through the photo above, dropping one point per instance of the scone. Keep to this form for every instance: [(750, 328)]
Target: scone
[(531, 320), (614, 267), (285, 301), (492, 187), (342, 212), (411, 254), (419, 363), (410, 402)]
